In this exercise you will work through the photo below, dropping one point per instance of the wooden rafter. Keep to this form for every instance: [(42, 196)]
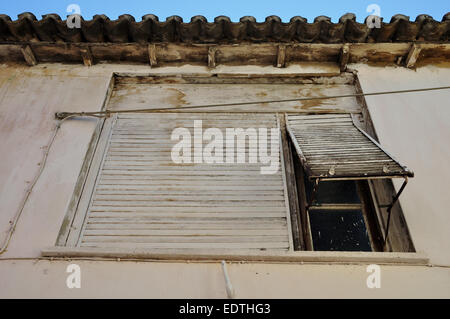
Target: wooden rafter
[(87, 56), (413, 56), (28, 55), (152, 55)]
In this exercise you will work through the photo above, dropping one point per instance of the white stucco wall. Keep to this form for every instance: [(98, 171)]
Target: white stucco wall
[(413, 126)]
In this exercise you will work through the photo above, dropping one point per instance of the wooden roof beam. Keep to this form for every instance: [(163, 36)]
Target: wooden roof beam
[(344, 57), (413, 56), (231, 54), (152, 55), (212, 56), (86, 54), (28, 55), (281, 56)]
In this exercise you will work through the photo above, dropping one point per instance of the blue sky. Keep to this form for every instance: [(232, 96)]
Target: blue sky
[(232, 8)]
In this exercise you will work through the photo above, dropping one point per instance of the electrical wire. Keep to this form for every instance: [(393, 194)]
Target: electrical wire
[(42, 164), (62, 115)]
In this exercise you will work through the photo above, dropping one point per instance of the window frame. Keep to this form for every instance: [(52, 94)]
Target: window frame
[(302, 252), (366, 206)]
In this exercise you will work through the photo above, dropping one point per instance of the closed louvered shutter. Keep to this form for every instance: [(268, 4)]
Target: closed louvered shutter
[(142, 199)]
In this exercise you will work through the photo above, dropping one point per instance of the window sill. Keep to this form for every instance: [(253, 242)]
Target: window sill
[(241, 255)]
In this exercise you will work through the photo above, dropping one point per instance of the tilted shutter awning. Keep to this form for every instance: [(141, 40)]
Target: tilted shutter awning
[(332, 147)]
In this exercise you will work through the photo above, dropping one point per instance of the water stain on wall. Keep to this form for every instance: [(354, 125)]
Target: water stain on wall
[(176, 97)]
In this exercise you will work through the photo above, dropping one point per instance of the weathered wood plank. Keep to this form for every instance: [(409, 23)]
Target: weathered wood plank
[(281, 56), (212, 56), (232, 54), (236, 254), (97, 224), (413, 56), (291, 188), (183, 240), (224, 220), (194, 185), (184, 203), (238, 246), (28, 55), (176, 232), (344, 57), (87, 56), (178, 96), (193, 209), (186, 198), (152, 55)]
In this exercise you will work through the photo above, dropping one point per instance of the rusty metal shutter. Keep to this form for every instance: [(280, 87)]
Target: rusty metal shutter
[(142, 199), (332, 147)]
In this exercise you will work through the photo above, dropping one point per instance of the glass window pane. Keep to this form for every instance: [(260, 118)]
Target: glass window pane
[(339, 230), (334, 192)]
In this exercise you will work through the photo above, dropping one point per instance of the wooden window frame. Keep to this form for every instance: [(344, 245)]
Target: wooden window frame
[(367, 207), (302, 247)]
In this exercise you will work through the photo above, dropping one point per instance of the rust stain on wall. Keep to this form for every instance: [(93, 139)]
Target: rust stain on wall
[(261, 94), (177, 97), (310, 92)]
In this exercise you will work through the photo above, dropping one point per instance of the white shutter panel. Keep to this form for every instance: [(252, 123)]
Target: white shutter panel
[(142, 199)]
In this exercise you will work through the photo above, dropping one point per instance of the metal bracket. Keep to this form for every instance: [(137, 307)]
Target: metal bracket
[(389, 209)]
